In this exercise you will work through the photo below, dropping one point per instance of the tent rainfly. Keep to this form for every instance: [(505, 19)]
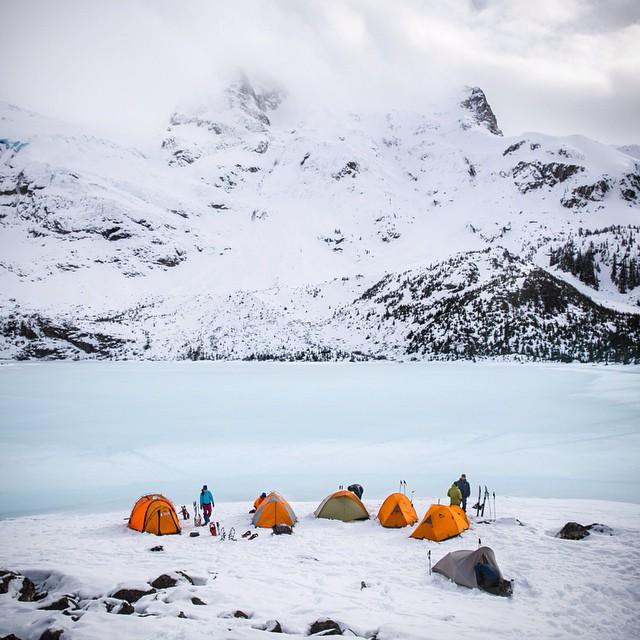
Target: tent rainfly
[(155, 514), (342, 505), (441, 522), (273, 510)]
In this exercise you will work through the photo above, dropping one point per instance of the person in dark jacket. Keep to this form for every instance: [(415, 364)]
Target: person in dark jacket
[(206, 503), (465, 490)]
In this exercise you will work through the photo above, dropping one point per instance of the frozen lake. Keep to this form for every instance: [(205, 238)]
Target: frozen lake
[(95, 435)]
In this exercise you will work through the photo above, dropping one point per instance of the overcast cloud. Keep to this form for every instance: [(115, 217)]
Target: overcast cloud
[(558, 66)]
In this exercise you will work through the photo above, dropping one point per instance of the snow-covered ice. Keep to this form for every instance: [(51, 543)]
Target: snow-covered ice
[(563, 589), (97, 434)]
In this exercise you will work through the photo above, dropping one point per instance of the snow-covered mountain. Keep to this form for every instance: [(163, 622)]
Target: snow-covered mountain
[(256, 229)]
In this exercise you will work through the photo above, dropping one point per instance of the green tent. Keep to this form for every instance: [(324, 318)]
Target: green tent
[(342, 505)]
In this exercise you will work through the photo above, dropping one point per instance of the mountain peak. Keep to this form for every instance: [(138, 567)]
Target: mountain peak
[(254, 101), (477, 104)]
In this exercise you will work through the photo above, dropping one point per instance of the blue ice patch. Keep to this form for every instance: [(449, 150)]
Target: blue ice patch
[(16, 145)]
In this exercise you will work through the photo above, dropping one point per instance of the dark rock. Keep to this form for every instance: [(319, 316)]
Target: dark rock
[(172, 259), (534, 175), (351, 169), (5, 578), (131, 595), (10, 637), (125, 609), (114, 234), (194, 534), (196, 600), (573, 531), (630, 187), (585, 193), (157, 548), (52, 634), (164, 582), (325, 627), (186, 576), (600, 528), (273, 626), (66, 602), (74, 616), (181, 615), (241, 614), (28, 592), (514, 147)]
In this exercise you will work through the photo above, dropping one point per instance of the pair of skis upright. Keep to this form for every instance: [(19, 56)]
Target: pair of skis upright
[(482, 503)]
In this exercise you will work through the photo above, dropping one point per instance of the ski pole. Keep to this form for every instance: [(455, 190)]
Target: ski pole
[(494, 505), (429, 559)]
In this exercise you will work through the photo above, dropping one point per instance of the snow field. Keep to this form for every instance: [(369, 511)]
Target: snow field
[(563, 589)]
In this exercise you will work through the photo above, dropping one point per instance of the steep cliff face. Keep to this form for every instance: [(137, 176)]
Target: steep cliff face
[(255, 233)]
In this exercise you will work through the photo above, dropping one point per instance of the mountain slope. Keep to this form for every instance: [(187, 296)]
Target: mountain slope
[(254, 229)]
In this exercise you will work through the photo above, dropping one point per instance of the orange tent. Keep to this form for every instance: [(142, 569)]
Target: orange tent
[(155, 514), (397, 511), (441, 522), (273, 510)]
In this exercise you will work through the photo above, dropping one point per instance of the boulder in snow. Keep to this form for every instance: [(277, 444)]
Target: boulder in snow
[(125, 609), (52, 634), (164, 581), (573, 531), (241, 614), (131, 595), (273, 626), (325, 627), (65, 602), (29, 593)]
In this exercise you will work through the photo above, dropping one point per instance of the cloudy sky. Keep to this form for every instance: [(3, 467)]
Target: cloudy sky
[(558, 66)]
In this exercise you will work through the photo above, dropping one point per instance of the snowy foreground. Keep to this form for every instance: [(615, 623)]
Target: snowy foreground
[(563, 589)]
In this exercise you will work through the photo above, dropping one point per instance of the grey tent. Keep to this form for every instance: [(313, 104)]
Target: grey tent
[(466, 568)]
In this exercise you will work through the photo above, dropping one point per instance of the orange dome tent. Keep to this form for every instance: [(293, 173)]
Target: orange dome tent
[(441, 522), (273, 510), (155, 514), (342, 505), (397, 511)]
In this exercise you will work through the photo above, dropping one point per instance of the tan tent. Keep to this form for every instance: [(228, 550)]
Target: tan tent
[(342, 505)]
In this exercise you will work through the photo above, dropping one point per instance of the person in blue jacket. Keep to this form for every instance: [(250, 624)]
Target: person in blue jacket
[(206, 503)]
